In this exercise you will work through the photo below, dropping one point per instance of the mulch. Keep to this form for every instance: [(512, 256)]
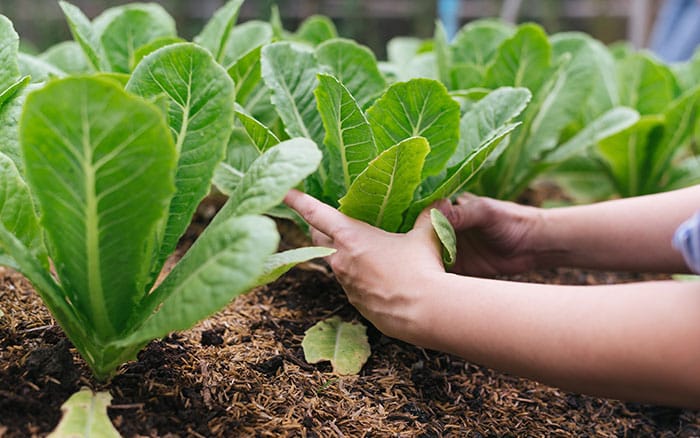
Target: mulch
[(242, 373)]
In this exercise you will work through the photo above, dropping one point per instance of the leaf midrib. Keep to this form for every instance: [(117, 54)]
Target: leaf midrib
[(95, 289), (390, 186)]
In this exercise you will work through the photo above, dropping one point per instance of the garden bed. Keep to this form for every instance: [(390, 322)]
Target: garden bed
[(242, 373)]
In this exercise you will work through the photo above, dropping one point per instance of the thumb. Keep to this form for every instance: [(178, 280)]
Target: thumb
[(424, 223)]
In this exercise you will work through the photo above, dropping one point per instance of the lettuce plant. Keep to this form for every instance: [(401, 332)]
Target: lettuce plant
[(570, 76), (109, 181), (411, 146), (15, 213), (654, 154)]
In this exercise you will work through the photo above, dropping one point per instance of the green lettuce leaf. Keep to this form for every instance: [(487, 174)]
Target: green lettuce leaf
[(214, 271), (290, 72), (128, 28), (381, 194), (344, 344), (200, 116), (270, 177), (420, 107), (315, 30), (9, 46), (17, 212), (349, 142), (85, 414), (354, 66), (215, 35), (97, 148)]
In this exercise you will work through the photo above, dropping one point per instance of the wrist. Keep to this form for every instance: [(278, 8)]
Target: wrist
[(427, 328), (548, 239)]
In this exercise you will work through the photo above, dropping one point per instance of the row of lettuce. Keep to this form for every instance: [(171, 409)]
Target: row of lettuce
[(109, 142)]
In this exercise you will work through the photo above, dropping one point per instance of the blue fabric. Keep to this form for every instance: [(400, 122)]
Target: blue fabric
[(687, 241), (448, 11), (676, 31)]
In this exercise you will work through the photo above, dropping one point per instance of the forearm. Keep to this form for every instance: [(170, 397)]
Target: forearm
[(626, 234), (633, 342)]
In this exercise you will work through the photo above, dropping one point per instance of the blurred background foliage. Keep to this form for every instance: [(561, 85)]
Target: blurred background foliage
[(371, 22)]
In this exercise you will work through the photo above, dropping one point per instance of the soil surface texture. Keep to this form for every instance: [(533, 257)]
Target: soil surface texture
[(242, 373)]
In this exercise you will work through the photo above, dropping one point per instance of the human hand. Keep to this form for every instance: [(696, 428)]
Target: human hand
[(493, 237), (386, 276)]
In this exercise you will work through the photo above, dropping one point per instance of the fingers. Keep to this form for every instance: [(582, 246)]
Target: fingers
[(465, 198), (320, 239), (424, 222), (469, 211), (321, 216)]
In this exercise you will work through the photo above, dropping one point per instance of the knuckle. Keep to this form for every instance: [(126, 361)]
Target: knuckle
[(339, 266)]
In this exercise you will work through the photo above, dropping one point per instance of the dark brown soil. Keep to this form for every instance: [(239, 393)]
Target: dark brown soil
[(242, 373)]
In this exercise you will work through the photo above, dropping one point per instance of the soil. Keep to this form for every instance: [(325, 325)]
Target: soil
[(242, 373)]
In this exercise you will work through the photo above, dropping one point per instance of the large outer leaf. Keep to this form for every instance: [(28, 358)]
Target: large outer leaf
[(9, 45), (584, 179), (222, 264), (419, 107), (100, 163), (290, 72), (85, 415), (200, 115), (17, 209), (349, 142), (215, 34), (354, 66), (381, 194), (271, 176), (130, 27), (149, 48)]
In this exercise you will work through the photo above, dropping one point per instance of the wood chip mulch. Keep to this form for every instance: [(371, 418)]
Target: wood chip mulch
[(242, 373)]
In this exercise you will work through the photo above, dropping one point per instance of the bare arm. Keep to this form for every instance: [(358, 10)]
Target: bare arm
[(498, 237), (638, 342), (625, 234)]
